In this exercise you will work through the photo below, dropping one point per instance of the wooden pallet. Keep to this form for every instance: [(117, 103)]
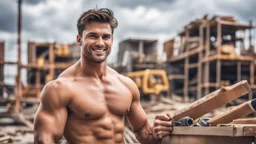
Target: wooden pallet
[(224, 134)]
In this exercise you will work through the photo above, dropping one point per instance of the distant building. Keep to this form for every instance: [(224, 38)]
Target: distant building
[(136, 54)]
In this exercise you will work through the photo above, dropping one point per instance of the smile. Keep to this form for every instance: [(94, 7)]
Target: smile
[(99, 50)]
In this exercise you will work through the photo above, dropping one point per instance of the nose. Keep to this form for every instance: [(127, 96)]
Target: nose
[(100, 42)]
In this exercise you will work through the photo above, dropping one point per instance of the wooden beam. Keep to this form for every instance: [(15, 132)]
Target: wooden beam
[(175, 76), (18, 78), (213, 100), (38, 83), (239, 71), (186, 69), (234, 113), (200, 57), (207, 54), (192, 139), (218, 64), (51, 61), (193, 65), (252, 73)]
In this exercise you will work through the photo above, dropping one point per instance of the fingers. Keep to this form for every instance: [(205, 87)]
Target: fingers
[(162, 123), (170, 115), (162, 128), (165, 117), (161, 134)]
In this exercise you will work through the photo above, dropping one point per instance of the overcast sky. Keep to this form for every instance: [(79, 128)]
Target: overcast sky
[(55, 20)]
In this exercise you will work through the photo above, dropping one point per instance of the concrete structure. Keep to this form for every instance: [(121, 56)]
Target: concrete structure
[(136, 54)]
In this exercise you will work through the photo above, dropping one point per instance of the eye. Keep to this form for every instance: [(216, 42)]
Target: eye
[(92, 36), (106, 37)]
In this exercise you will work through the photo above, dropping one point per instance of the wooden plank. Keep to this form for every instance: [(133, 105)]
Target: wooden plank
[(237, 25), (200, 57), (207, 54), (193, 65), (46, 66), (238, 71), (244, 121), (251, 73), (226, 57), (5, 139), (234, 113), (205, 85), (184, 55), (51, 60), (218, 64), (186, 78), (218, 74), (207, 140), (175, 76), (38, 83), (8, 62), (213, 100), (206, 131), (186, 69)]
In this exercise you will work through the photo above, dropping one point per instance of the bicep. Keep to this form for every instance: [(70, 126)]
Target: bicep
[(50, 123), (51, 116), (137, 116)]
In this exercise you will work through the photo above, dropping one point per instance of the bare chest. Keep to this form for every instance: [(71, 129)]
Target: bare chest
[(94, 100)]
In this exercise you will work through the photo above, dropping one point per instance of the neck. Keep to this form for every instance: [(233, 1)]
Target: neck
[(89, 68)]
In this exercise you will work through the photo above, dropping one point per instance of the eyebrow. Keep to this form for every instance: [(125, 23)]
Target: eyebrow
[(94, 33)]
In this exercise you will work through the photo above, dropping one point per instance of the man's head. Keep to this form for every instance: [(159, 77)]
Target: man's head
[(102, 15), (95, 33)]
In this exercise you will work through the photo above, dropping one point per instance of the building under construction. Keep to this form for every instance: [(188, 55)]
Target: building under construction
[(45, 62), (137, 54), (208, 54)]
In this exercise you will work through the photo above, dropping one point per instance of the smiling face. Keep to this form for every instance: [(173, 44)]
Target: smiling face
[(96, 41)]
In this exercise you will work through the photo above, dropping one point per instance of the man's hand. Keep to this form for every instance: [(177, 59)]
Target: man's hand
[(162, 125)]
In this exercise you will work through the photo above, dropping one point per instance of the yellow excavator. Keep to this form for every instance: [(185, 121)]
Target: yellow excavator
[(150, 82)]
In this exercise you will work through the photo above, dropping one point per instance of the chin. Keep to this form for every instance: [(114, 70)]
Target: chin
[(99, 60)]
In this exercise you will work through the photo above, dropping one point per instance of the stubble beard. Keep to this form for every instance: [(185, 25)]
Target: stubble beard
[(89, 55)]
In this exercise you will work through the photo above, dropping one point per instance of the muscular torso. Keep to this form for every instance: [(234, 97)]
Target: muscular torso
[(96, 110)]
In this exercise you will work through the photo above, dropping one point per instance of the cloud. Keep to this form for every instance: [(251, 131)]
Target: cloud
[(33, 2), (8, 16), (55, 20)]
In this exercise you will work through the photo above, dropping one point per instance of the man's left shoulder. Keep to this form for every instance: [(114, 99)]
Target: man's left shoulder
[(124, 79)]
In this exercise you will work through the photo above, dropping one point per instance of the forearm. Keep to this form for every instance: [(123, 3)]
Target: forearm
[(145, 135)]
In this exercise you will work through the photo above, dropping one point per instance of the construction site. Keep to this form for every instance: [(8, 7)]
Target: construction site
[(207, 82)]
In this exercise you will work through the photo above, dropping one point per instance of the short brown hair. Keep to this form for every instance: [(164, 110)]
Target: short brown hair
[(103, 15)]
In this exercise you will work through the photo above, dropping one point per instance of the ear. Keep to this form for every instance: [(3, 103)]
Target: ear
[(78, 40)]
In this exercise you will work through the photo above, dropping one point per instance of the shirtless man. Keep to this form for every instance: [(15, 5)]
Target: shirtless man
[(89, 101)]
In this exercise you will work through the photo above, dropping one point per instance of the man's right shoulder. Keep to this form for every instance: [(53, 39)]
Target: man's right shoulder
[(54, 84), (56, 87)]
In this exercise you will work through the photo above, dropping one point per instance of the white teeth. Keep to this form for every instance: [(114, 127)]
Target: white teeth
[(99, 50)]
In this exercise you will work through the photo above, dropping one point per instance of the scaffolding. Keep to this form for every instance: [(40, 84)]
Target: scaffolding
[(210, 53), (45, 62)]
